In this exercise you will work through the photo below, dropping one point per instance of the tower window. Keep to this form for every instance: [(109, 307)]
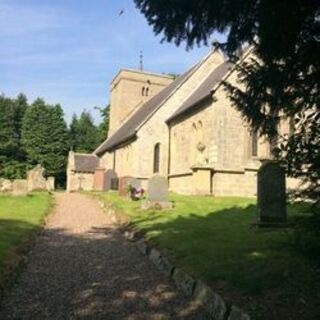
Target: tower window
[(156, 158), (147, 91), (143, 91)]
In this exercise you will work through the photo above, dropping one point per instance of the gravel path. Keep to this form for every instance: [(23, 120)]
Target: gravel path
[(82, 268)]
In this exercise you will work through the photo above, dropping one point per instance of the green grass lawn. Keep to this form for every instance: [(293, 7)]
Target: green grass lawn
[(214, 240), (19, 217)]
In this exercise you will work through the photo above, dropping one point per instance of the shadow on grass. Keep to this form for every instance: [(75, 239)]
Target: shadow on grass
[(249, 265), (96, 275)]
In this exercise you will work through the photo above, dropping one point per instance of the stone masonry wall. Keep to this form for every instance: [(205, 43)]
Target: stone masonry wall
[(127, 95), (156, 130)]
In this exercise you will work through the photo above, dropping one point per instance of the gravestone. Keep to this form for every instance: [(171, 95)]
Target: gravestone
[(158, 194), (19, 187), (124, 182), (271, 193), (35, 179), (50, 183), (110, 177), (5, 185)]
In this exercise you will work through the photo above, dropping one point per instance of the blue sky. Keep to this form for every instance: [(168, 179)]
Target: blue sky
[(68, 51)]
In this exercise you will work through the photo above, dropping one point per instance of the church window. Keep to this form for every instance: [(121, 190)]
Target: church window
[(156, 158), (254, 143)]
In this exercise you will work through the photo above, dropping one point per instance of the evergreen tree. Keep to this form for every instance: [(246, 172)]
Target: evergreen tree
[(12, 157), (84, 135), (73, 131), (104, 125), (45, 138)]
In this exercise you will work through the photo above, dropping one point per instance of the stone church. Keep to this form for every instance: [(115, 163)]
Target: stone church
[(185, 129)]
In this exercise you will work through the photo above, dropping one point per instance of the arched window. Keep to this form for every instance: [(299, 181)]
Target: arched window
[(156, 158), (143, 91), (147, 91), (254, 143)]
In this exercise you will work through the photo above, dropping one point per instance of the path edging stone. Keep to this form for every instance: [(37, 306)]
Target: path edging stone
[(214, 305)]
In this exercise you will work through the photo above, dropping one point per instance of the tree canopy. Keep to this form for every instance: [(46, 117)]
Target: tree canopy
[(85, 135), (281, 81), (12, 156), (45, 138)]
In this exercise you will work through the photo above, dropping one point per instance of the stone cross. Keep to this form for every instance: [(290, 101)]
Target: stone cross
[(80, 178), (272, 193)]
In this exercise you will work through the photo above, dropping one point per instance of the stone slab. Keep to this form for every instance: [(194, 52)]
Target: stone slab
[(184, 282), (272, 193), (158, 189), (50, 183), (165, 267), (36, 179), (154, 256), (124, 182), (212, 302), (20, 187), (154, 205), (142, 247), (5, 185), (237, 314)]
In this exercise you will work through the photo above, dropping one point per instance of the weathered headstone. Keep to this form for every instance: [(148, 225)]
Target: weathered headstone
[(124, 182), (5, 185), (123, 186), (272, 193), (50, 184), (110, 175), (158, 189), (20, 187), (35, 178), (158, 194)]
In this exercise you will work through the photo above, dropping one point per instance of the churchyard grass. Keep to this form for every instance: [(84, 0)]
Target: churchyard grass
[(19, 218), (214, 239)]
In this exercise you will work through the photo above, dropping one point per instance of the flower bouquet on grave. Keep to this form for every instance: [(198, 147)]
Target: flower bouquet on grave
[(135, 193)]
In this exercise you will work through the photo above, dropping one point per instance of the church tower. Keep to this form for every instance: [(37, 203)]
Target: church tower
[(129, 90)]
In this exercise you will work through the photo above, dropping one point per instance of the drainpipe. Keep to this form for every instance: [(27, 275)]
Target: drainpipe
[(169, 154)]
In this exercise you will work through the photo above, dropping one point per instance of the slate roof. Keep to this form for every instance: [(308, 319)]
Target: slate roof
[(128, 130), (85, 162), (204, 91)]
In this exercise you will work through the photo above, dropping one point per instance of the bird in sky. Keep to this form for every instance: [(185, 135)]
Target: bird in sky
[(121, 12)]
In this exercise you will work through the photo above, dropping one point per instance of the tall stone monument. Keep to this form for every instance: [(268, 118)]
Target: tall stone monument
[(272, 193), (36, 180)]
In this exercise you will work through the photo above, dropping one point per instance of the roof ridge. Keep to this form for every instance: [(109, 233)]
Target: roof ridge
[(85, 154)]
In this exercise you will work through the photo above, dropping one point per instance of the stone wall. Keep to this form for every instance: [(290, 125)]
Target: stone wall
[(78, 181), (155, 130), (226, 137)]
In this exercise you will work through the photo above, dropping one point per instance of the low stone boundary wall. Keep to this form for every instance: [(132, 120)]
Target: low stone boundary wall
[(215, 306)]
